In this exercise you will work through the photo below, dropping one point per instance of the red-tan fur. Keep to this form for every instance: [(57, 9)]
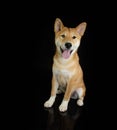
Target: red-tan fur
[(67, 72)]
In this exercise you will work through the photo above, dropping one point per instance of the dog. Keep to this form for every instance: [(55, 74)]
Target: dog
[(67, 74)]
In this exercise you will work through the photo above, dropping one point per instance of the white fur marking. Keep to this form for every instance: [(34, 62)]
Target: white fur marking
[(50, 102), (80, 92), (64, 105), (80, 102)]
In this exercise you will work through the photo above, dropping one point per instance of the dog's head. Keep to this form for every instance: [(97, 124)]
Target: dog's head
[(67, 40)]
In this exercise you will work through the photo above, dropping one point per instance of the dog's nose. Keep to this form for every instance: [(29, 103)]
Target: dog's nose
[(68, 45)]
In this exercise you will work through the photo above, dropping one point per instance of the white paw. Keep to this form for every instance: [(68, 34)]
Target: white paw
[(50, 102), (80, 102), (63, 107)]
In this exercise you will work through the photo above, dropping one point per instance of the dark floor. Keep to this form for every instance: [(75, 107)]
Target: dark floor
[(76, 118)]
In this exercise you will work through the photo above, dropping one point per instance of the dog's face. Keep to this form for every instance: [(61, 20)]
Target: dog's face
[(67, 40)]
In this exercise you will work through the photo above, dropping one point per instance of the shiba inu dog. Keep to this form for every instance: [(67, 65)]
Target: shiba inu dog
[(67, 72)]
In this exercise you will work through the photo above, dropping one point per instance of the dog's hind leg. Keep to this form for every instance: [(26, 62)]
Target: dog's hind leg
[(74, 95), (61, 89), (81, 94)]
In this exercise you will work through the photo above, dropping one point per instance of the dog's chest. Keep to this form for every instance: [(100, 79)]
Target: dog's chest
[(62, 71), (62, 76)]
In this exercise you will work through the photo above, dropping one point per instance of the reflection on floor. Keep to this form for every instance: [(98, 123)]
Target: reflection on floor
[(63, 121), (76, 117)]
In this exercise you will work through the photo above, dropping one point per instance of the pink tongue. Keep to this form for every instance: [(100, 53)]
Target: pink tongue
[(66, 54)]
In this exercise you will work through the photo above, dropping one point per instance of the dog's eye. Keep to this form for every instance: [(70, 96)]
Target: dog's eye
[(74, 37), (62, 35)]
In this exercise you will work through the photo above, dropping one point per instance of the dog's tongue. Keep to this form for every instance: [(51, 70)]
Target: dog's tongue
[(66, 54)]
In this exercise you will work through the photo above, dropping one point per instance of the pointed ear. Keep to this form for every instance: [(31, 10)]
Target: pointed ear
[(58, 25), (81, 28)]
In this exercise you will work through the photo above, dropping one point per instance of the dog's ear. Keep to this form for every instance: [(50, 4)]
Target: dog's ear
[(81, 28), (58, 25)]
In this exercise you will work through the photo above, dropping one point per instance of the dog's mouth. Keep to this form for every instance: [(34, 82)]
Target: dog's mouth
[(66, 53)]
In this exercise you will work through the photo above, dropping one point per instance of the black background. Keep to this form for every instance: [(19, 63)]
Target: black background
[(27, 49), (97, 58)]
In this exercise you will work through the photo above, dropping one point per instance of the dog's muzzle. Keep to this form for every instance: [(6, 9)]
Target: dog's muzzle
[(67, 51), (68, 45)]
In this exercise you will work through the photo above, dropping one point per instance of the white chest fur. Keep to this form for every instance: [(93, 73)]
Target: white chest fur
[(62, 71), (62, 76)]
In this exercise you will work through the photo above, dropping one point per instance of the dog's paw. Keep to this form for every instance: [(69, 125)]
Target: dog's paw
[(80, 102), (50, 102), (63, 107)]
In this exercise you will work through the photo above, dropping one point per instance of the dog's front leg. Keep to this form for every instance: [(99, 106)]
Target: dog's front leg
[(51, 100), (64, 105)]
